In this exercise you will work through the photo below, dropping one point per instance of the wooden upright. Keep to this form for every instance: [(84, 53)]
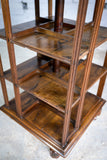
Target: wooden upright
[(55, 106)]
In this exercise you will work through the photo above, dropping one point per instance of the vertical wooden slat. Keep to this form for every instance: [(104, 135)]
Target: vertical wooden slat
[(76, 50), (59, 11), (95, 10), (49, 8), (89, 60), (102, 80), (37, 16), (3, 85), (37, 11), (8, 30)]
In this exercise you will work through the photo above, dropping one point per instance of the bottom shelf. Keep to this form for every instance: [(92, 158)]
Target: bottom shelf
[(47, 125)]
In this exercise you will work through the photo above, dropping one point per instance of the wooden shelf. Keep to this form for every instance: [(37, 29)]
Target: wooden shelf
[(68, 24), (31, 65), (96, 73), (55, 111), (50, 26), (86, 38), (23, 26), (27, 102), (59, 46), (39, 83), (47, 125), (49, 87)]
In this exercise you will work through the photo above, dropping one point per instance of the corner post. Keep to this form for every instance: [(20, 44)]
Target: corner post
[(50, 9), (11, 52), (96, 25), (74, 62)]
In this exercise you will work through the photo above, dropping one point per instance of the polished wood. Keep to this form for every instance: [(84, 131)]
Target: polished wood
[(89, 59), (102, 80), (37, 11), (22, 72), (26, 77), (59, 11), (95, 9), (55, 106), (58, 48), (59, 15), (68, 25), (8, 30), (96, 73), (41, 83), (50, 26), (47, 126), (3, 85), (76, 50), (50, 8)]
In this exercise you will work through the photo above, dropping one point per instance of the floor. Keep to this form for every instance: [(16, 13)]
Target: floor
[(18, 144)]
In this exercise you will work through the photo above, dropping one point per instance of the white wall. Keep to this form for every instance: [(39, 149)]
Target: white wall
[(18, 15)]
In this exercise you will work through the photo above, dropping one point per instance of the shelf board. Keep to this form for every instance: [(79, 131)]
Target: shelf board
[(59, 46), (25, 68), (86, 38), (32, 24), (66, 26), (18, 28), (49, 89), (23, 26), (32, 66), (47, 125), (96, 73), (27, 101), (52, 88)]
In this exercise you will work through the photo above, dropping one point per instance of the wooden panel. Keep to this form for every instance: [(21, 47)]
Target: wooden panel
[(50, 26), (32, 66), (102, 35), (27, 100), (25, 68), (49, 122), (47, 125), (18, 28), (58, 48), (49, 89), (41, 117), (89, 104), (31, 24), (40, 84), (96, 73)]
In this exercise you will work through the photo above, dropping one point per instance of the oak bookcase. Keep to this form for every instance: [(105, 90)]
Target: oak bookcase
[(55, 106)]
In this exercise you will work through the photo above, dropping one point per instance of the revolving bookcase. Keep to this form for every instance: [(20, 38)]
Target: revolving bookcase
[(55, 106)]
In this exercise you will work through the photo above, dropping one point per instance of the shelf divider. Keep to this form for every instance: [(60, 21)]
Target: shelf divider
[(8, 30), (73, 67), (96, 22)]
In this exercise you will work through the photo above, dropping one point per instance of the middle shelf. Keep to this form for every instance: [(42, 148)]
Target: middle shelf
[(56, 45), (49, 87)]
